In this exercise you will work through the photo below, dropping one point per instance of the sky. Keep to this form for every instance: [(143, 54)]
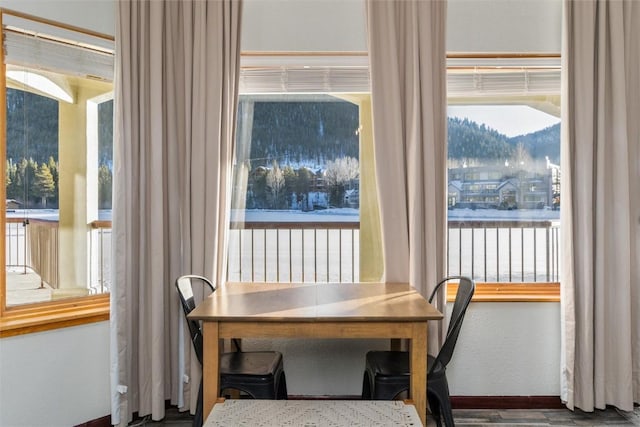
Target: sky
[(510, 120)]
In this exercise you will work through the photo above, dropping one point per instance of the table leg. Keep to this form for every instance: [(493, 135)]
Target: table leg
[(418, 348), (211, 366)]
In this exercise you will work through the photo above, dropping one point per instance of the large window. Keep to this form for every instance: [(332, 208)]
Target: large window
[(57, 96), (295, 214), (304, 192), (503, 169), (503, 176), (503, 187)]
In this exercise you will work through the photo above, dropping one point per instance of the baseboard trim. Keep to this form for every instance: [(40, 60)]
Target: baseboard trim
[(506, 402), (98, 422)]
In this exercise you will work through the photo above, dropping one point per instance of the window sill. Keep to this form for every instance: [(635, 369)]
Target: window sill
[(49, 316), (80, 311), (511, 292)]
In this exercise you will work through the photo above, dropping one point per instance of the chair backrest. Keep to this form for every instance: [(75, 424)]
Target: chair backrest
[(184, 285), (466, 288)]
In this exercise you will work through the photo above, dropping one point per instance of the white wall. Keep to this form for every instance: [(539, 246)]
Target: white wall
[(507, 349), (55, 378), (95, 15), (504, 26), (61, 377), (303, 25), (504, 349), (340, 25)]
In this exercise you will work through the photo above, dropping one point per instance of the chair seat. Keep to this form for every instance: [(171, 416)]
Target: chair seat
[(259, 374), (394, 364), (251, 364)]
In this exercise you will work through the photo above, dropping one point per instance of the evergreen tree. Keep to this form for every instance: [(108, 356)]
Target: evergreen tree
[(258, 185), (275, 187), (7, 177), (304, 178), (105, 133), (105, 187), (32, 126), (13, 189), (43, 185), (53, 167), (290, 184)]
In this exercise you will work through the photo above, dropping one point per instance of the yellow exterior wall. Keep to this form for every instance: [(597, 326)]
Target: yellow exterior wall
[(371, 265), (75, 215)]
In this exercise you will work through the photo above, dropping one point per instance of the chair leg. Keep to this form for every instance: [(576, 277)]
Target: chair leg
[(366, 387), (438, 395), (447, 413), (282, 387), (434, 406), (198, 418)]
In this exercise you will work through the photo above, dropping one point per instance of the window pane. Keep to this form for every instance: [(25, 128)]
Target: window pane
[(295, 213), (503, 193), (59, 111), (105, 156)]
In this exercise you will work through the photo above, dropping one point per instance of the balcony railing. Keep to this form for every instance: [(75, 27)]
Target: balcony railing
[(32, 245), (294, 252), (100, 257), (504, 251), (489, 251)]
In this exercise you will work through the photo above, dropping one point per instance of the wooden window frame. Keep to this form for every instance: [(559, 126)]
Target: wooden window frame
[(41, 317), (511, 292), (38, 317)]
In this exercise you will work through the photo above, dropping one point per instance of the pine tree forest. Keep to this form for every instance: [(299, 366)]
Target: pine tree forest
[(297, 149)]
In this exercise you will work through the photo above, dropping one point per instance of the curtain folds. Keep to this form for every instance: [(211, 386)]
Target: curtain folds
[(600, 282), (177, 69), (408, 88)]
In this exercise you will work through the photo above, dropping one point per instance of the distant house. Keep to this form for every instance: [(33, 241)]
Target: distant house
[(499, 188), (352, 197), (13, 204), (454, 193)]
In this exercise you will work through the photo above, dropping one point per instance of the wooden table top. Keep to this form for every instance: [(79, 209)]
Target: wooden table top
[(294, 302)]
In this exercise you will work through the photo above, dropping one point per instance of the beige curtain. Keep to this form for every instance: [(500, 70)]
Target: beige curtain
[(600, 214), (177, 69), (408, 88)]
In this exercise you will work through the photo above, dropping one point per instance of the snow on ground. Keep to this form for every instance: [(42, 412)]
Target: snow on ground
[(330, 215), (323, 215), (347, 214)]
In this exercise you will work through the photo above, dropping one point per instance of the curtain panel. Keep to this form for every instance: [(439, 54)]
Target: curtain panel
[(177, 66), (600, 280), (407, 57)]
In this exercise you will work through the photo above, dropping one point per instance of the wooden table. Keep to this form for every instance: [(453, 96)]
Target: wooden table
[(326, 310)]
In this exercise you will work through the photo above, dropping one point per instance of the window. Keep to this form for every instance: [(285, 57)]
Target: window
[(503, 187), (503, 157), (297, 180), (300, 204), (57, 98)]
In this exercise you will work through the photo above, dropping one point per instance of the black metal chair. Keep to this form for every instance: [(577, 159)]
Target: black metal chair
[(260, 374), (387, 372)]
